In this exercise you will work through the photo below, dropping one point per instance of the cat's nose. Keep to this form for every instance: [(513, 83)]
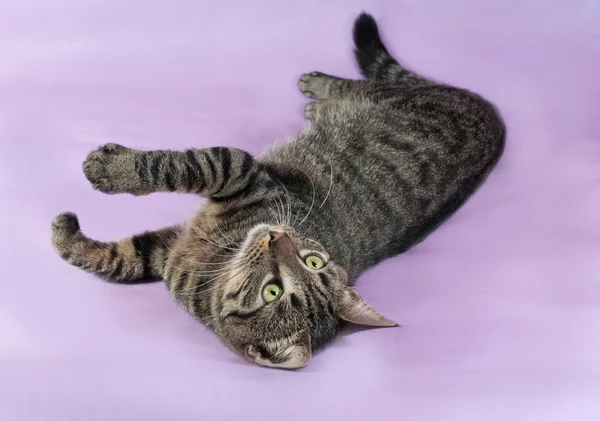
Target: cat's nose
[(275, 236)]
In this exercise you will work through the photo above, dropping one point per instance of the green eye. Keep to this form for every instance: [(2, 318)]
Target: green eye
[(272, 292), (314, 262)]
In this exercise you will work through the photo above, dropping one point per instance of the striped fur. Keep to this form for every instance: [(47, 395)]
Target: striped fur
[(384, 161), (220, 173), (127, 261), (374, 60)]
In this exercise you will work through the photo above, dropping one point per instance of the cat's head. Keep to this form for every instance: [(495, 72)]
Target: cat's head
[(288, 299)]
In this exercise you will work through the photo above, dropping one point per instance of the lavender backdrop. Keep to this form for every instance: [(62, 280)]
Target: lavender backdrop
[(500, 307)]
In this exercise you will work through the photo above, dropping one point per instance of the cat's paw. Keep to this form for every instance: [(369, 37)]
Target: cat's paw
[(109, 168), (315, 85), (65, 224), (65, 232), (310, 111)]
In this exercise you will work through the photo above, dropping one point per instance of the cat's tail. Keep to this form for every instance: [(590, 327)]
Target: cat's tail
[(375, 62)]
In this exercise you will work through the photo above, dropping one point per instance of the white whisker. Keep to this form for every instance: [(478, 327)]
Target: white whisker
[(200, 272), (226, 237), (330, 186), (313, 199), (232, 258), (194, 290), (280, 202), (279, 214), (289, 203), (197, 231)]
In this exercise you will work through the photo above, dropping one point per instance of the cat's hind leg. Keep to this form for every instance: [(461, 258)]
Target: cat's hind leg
[(139, 258), (326, 90)]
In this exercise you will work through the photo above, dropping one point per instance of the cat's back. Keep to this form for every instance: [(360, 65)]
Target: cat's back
[(422, 118)]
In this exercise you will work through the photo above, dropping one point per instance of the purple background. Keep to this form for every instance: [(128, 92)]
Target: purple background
[(500, 307)]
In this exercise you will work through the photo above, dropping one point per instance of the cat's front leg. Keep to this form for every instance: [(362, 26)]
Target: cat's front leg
[(219, 173)]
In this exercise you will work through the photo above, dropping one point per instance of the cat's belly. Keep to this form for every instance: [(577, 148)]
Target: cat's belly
[(392, 176)]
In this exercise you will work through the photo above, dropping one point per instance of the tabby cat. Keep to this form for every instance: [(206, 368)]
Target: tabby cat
[(269, 261)]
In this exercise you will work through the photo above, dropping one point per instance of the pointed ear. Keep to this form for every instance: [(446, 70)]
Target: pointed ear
[(354, 309), (293, 356)]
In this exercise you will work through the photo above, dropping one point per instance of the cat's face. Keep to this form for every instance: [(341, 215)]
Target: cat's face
[(288, 299)]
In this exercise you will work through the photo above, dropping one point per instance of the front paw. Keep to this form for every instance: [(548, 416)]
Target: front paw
[(109, 169), (65, 233)]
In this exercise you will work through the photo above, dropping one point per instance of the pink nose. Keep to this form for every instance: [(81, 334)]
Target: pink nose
[(279, 239), (275, 236)]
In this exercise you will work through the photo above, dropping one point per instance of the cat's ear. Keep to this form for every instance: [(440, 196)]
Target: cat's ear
[(294, 355), (352, 308)]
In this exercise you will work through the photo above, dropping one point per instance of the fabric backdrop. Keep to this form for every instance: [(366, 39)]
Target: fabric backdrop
[(500, 308)]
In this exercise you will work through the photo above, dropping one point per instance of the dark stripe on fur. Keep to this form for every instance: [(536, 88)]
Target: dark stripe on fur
[(194, 180), (242, 315), (154, 173), (324, 279)]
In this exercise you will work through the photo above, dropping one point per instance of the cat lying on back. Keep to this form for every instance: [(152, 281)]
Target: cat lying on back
[(269, 261)]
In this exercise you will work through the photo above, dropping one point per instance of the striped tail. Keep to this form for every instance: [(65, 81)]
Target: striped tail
[(132, 260), (375, 62)]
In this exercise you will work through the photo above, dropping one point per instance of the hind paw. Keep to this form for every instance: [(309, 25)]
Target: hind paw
[(311, 110), (315, 85)]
